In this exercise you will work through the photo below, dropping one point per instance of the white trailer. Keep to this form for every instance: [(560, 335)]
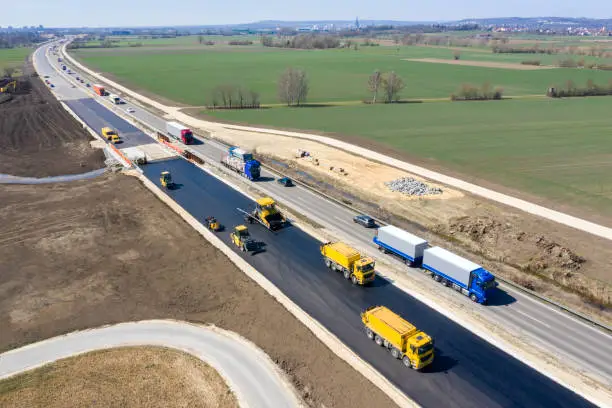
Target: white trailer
[(402, 243)]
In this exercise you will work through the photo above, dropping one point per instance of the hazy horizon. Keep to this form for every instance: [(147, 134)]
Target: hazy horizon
[(129, 13)]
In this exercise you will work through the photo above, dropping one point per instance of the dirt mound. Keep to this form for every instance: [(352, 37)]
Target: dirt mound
[(536, 252), (38, 138)]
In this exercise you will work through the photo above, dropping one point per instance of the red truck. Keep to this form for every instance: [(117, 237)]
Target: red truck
[(99, 89)]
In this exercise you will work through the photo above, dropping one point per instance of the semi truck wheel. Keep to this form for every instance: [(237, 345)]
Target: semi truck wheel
[(369, 333), (437, 278), (378, 340), (347, 275), (395, 352), (407, 362), (354, 280), (328, 263), (473, 297)]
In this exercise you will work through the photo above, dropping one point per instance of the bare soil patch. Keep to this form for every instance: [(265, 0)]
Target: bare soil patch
[(121, 377), (568, 265), (38, 138), (485, 64), (102, 251)]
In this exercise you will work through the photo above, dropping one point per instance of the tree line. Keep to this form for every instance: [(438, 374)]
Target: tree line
[(485, 92), (571, 90), (303, 41)]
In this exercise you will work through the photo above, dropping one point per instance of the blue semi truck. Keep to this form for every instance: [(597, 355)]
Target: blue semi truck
[(242, 162), (447, 268)]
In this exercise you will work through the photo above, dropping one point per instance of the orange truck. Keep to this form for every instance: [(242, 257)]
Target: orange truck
[(99, 89)]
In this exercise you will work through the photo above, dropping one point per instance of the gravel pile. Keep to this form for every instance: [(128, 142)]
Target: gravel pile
[(410, 186)]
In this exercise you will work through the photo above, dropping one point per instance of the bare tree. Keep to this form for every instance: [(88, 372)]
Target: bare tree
[(254, 99), (9, 71), (374, 83), (392, 84), (293, 86)]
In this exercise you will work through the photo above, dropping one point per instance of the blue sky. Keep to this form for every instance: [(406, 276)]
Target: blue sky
[(101, 13)]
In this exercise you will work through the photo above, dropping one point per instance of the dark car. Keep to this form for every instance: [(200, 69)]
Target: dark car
[(285, 181), (364, 220)]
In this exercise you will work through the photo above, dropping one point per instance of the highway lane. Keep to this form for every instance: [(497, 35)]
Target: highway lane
[(467, 371), (339, 218), (249, 372)]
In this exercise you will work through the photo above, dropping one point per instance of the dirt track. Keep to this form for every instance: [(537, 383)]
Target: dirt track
[(102, 251), (38, 138)]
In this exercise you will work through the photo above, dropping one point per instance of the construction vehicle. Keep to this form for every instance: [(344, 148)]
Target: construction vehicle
[(110, 134), (99, 89), (179, 132), (403, 340), (242, 162), (114, 99), (212, 224), (165, 179), (243, 240), (339, 256), (265, 213)]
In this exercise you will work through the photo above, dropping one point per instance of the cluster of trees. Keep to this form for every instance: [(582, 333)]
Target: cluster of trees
[(524, 50), (591, 89), (390, 84), (532, 62), (581, 63), (469, 92), (245, 42), (303, 41), (293, 87), (447, 41), (234, 97), (19, 39)]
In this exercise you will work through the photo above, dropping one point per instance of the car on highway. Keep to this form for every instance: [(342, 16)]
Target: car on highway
[(52, 86), (78, 79), (88, 85), (364, 220), (46, 76), (285, 181), (130, 110)]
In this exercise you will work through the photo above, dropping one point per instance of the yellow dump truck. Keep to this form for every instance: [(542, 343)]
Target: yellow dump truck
[(110, 134), (265, 213), (340, 257), (404, 341)]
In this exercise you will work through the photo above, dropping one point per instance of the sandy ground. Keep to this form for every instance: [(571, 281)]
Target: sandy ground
[(123, 377), (38, 138), (570, 266), (485, 64), (102, 251)]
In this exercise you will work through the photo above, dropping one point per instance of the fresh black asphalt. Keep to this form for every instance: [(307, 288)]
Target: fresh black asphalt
[(467, 372), (97, 116)]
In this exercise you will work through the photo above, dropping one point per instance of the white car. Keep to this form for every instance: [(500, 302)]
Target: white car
[(130, 110)]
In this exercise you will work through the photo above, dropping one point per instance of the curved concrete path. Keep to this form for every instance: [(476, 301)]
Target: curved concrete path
[(248, 371)]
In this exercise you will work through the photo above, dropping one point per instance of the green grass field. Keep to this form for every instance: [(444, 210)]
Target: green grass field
[(13, 57), (559, 149), (188, 76)]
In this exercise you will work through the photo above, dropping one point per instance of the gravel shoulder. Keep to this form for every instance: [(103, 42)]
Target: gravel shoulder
[(101, 251), (130, 376)]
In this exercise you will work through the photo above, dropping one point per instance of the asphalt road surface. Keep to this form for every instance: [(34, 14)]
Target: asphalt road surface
[(253, 378), (467, 370), (471, 378)]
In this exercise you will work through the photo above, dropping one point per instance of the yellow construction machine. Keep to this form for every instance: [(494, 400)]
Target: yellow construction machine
[(266, 213), (165, 179), (243, 240)]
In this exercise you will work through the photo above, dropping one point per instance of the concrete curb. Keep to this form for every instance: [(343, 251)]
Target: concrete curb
[(331, 341)]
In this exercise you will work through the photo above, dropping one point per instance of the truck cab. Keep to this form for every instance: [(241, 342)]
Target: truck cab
[(242, 239)]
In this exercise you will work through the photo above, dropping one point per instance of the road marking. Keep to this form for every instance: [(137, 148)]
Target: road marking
[(533, 318)]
